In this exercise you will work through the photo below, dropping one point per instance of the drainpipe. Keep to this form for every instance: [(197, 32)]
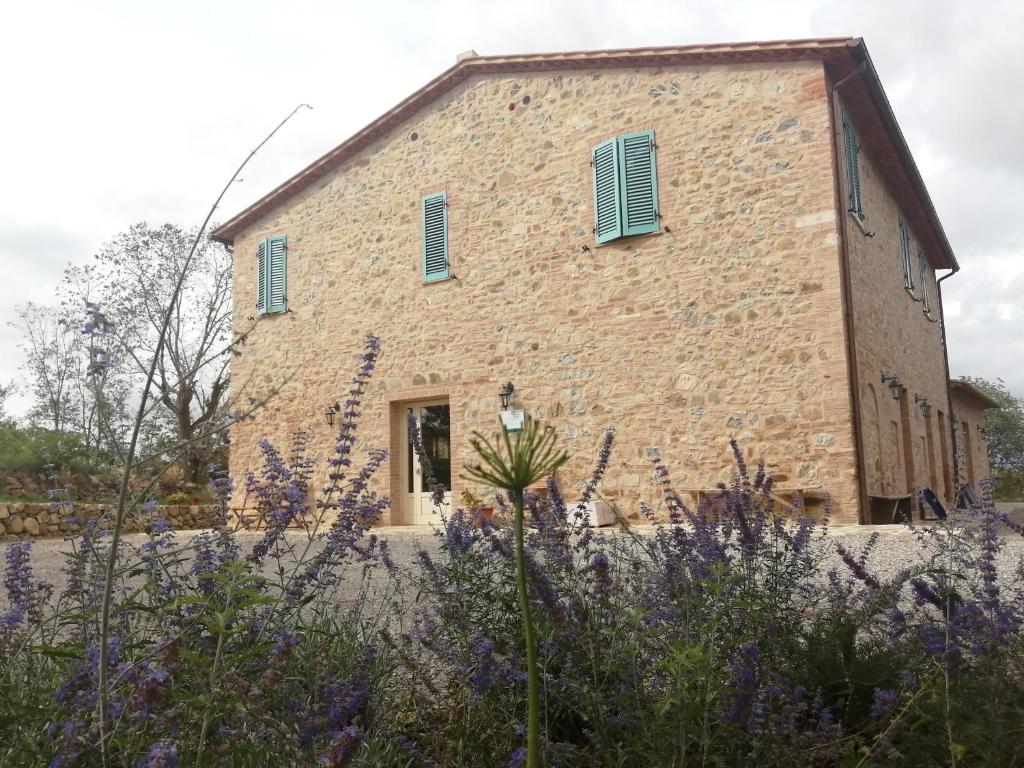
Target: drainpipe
[(949, 395), (848, 326)]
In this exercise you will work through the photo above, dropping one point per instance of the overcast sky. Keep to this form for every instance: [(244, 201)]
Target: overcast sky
[(117, 112)]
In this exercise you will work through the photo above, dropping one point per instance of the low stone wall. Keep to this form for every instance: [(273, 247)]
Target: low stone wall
[(24, 520)]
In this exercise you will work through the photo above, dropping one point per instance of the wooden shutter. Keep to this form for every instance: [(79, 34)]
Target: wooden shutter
[(277, 274), (639, 183), (261, 277), (852, 151), (607, 202), (435, 237), (922, 266), (908, 271)]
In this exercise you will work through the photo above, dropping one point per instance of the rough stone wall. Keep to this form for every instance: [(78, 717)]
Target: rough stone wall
[(970, 440), (726, 323), (894, 334), (23, 520)]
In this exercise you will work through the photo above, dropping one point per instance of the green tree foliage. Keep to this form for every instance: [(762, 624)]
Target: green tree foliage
[(133, 279)]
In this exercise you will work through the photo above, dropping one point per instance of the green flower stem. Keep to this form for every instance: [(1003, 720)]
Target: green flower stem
[(514, 462), (529, 637)]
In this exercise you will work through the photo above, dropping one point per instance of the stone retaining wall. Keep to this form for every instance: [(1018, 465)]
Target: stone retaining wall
[(20, 520)]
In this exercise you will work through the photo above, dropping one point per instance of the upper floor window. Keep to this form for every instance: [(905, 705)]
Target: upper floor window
[(272, 275), (922, 267), (852, 150), (625, 186), (435, 237), (905, 257)]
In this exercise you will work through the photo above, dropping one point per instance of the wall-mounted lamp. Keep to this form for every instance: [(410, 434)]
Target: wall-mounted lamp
[(895, 386), (954, 423), (505, 395), (329, 413), (983, 431), (926, 407)]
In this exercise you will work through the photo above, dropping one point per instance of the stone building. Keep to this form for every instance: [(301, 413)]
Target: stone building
[(690, 244)]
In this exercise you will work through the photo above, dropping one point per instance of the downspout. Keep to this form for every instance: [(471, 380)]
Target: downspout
[(949, 395), (848, 325)]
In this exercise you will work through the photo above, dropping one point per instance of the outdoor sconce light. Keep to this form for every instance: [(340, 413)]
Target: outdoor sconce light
[(895, 387), (329, 413), (954, 423), (926, 407), (983, 431), (505, 395)]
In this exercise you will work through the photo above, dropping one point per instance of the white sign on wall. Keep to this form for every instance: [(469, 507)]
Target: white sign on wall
[(512, 420)]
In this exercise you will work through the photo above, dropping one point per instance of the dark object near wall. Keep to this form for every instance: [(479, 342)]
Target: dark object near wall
[(929, 498)]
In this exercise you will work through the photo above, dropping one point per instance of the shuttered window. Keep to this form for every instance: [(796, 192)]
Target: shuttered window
[(261, 277), (852, 151), (922, 268), (625, 186), (435, 237), (905, 257), (607, 208), (272, 275)]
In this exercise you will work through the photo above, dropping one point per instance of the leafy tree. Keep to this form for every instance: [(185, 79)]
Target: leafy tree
[(133, 280), (5, 393), (65, 400), (54, 353)]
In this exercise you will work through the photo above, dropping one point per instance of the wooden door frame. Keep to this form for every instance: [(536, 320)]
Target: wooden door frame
[(399, 401)]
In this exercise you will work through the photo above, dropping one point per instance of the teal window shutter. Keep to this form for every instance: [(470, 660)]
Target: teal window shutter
[(852, 151), (272, 280), (922, 266), (908, 272), (435, 237), (277, 274), (638, 183), (607, 191), (261, 277)]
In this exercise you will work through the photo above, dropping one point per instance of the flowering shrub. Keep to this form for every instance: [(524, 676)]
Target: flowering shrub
[(731, 635)]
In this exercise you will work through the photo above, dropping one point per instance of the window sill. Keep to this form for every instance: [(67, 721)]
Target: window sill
[(438, 281)]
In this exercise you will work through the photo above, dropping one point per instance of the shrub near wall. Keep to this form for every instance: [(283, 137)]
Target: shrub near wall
[(23, 520)]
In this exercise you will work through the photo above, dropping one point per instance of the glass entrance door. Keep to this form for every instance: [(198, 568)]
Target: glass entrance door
[(434, 422)]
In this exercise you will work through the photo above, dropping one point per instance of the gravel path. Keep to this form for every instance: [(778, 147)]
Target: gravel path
[(897, 549)]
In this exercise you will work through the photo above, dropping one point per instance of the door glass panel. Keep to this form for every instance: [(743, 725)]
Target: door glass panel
[(409, 451), (435, 428)]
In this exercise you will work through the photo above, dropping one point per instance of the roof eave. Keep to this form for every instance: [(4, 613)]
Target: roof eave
[(860, 53), (966, 388)]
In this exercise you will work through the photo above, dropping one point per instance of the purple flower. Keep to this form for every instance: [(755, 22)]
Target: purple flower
[(885, 701), (162, 754), (857, 566)]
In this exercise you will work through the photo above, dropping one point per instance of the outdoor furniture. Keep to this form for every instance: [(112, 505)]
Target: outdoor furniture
[(899, 511), (967, 497)]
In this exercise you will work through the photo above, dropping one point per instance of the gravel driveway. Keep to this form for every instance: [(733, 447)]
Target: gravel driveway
[(897, 549)]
